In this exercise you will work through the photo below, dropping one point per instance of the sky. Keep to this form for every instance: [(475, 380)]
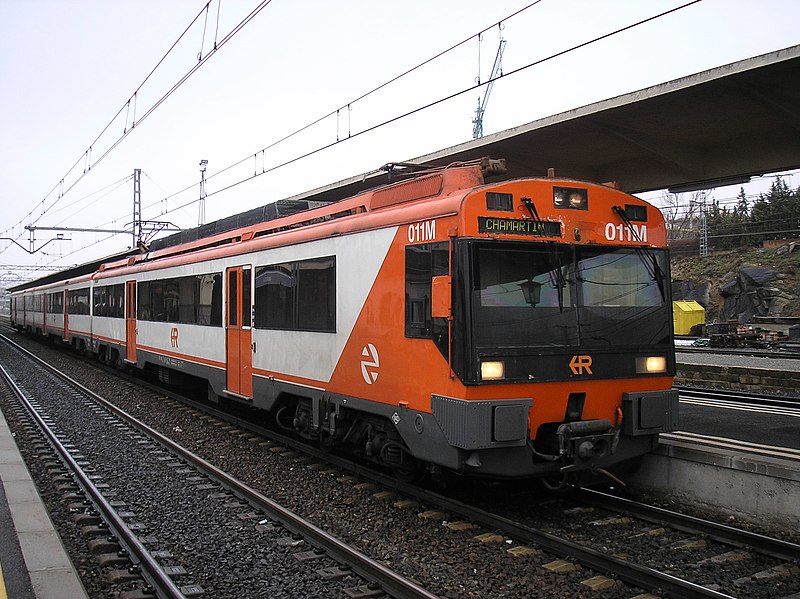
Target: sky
[(86, 97)]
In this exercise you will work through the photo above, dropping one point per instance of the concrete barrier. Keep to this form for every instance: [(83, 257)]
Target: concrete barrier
[(744, 486), (757, 380)]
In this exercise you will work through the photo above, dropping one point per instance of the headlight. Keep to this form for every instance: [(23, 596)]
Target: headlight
[(575, 198), (492, 371), (651, 365)]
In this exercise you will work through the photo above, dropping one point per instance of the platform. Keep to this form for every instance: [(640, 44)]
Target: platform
[(33, 561), (735, 481)]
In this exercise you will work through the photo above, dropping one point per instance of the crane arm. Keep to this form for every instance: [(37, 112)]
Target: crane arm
[(477, 129)]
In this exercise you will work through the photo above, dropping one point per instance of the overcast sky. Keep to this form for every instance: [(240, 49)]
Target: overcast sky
[(67, 67)]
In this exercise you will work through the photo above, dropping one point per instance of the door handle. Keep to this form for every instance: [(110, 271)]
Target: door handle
[(253, 345)]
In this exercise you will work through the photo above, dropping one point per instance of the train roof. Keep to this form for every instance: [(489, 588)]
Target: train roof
[(416, 183), (75, 272), (411, 182)]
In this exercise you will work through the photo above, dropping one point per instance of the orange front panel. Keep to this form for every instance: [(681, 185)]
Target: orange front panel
[(379, 362), (599, 223)]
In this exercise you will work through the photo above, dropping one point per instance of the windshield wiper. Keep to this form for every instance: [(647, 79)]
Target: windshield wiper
[(558, 281), (645, 254)]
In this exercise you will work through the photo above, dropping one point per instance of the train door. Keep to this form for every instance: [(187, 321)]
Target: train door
[(130, 321), (45, 298), (238, 334), (66, 317)]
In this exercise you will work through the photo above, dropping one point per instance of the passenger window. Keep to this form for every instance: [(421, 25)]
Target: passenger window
[(297, 296)]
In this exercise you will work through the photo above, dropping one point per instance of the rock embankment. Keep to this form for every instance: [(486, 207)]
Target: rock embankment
[(739, 286)]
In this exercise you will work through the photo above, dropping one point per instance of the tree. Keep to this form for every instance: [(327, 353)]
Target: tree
[(776, 215), (682, 216)]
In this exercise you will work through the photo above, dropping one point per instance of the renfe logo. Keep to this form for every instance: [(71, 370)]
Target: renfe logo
[(173, 337), (580, 363), (369, 366)]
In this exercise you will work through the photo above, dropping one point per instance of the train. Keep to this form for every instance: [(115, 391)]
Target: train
[(439, 323)]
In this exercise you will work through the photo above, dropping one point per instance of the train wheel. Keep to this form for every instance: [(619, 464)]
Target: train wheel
[(411, 471)]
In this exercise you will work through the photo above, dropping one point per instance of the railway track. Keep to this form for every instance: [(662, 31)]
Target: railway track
[(770, 546), (571, 539), (337, 568), (784, 409), (784, 354), (758, 399)]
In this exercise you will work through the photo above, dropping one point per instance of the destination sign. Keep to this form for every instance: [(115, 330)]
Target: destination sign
[(513, 226)]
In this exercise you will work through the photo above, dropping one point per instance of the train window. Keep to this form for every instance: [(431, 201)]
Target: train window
[(499, 201), (275, 290), (233, 293), (522, 278), (109, 301), (195, 299), (619, 278), (55, 303), (172, 300), (78, 301), (210, 300), (316, 295), (523, 294), (624, 296), (144, 309), (297, 296), (423, 262), (246, 307), (636, 212)]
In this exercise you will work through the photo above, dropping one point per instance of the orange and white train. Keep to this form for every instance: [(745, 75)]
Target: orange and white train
[(513, 329)]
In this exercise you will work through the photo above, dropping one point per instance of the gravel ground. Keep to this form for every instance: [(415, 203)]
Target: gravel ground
[(449, 563), (226, 548), (671, 551)]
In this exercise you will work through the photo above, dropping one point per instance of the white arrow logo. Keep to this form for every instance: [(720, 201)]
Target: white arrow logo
[(369, 367)]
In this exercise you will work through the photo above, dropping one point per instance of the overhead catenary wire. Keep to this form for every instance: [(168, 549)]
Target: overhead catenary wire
[(348, 105), (105, 191), (415, 110), (387, 121), (86, 156), (126, 107), (186, 76)]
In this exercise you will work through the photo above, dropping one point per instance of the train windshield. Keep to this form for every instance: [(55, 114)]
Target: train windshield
[(551, 295)]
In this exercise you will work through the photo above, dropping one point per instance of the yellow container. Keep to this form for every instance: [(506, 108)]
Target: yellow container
[(686, 314)]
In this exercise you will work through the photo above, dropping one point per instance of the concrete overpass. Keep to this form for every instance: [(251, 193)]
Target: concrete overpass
[(715, 127)]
